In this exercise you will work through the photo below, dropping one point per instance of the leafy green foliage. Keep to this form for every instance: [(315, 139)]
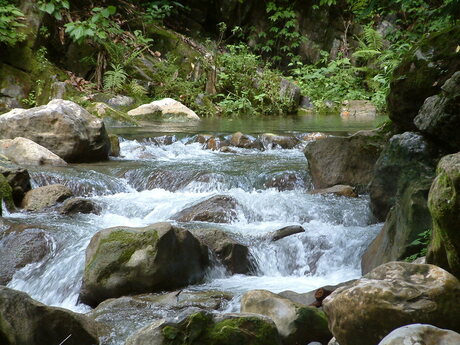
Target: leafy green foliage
[(246, 86), (161, 9), (98, 27), (422, 241), (54, 7), (282, 40), (115, 79), (10, 23)]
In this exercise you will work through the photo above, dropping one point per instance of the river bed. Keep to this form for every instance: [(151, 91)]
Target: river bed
[(151, 182)]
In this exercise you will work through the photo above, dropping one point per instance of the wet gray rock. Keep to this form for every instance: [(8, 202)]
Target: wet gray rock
[(120, 101), (114, 145), (344, 160), (218, 209), (271, 141), (340, 190), (233, 255), (21, 247), (25, 321), (244, 141), (421, 334), (439, 117), (285, 232), (124, 261), (41, 198), (79, 205)]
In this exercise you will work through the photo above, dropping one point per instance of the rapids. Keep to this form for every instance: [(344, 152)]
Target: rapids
[(151, 182)]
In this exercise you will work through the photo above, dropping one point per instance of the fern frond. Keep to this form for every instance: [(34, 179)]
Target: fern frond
[(115, 79)]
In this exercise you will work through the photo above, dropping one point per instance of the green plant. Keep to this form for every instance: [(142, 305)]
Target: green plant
[(282, 40), (115, 79), (421, 243), (54, 7), (10, 23), (161, 9)]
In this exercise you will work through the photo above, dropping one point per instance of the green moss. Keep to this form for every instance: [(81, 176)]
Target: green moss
[(200, 329), (102, 111), (6, 194), (120, 244)]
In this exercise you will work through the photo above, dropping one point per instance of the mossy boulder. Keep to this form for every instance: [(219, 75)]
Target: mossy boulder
[(296, 323), (407, 159), (19, 180), (205, 329), (393, 295), (345, 160), (439, 116), (444, 205), (421, 74), (6, 194), (125, 261), (24, 321)]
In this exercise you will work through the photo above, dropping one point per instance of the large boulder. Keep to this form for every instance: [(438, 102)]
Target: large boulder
[(393, 295), (402, 178), (24, 321), (439, 116), (345, 160), (18, 179), (205, 329), (218, 209), (21, 247), (421, 334), (233, 255), (444, 205), (165, 108), (43, 197), (421, 74), (296, 323), (63, 127), (26, 152), (124, 261), (408, 159)]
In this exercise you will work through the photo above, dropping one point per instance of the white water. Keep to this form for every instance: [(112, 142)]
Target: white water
[(337, 229)]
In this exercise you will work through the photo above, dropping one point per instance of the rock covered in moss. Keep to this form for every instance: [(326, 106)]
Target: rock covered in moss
[(344, 160), (26, 152), (393, 295), (41, 198), (19, 180), (439, 116), (6, 194), (444, 205), (114, 145), (296, 323), (421, 334), (63, 127), (408, 158), (24, 321), (205, 329), (124, 261), (421, 74), (165, 108)]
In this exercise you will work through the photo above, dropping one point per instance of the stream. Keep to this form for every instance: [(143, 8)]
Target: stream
[(156, 178)]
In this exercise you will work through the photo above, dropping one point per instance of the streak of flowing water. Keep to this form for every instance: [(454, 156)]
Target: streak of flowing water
[(152, 182)]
